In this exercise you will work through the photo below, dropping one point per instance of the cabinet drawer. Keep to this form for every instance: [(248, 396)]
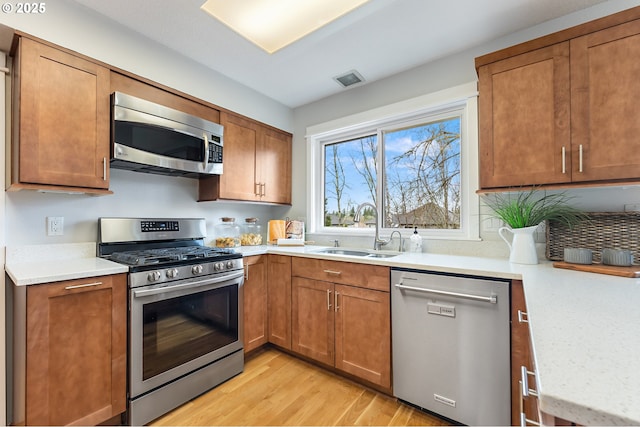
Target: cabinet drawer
[(346, 273)]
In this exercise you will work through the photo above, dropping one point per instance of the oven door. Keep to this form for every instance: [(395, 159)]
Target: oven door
[(182, 326)]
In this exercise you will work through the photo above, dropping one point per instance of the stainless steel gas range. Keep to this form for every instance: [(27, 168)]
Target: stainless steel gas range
[(185, 310)]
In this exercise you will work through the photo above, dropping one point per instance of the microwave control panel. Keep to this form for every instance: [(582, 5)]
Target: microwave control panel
[(215, 150)]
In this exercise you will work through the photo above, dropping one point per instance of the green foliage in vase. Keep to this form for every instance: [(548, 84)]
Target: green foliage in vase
[(529, 208)]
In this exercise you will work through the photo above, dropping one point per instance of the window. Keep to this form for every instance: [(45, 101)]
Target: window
[(417, 167)]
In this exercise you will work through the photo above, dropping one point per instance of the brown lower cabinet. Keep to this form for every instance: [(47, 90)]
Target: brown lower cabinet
[(70, 358), (347, 326), (520, 356), (255, 302), (279, 300)]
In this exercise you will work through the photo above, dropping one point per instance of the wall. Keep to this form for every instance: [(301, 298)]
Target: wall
[(80, 29), (446, 73)]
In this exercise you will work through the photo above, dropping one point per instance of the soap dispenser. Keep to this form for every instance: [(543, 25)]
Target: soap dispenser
[(415, 244)]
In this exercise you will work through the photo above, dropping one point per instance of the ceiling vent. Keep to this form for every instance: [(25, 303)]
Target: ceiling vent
[(349, 78)]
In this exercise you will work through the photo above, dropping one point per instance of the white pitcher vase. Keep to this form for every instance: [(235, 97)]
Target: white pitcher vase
[(522, 247)]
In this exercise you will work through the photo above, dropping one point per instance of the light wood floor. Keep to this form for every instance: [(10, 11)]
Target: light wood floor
[(278, 389)]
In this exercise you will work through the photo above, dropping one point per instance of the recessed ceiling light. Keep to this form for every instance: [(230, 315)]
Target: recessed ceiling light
[(274, 24)]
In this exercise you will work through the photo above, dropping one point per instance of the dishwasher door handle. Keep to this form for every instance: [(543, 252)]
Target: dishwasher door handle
[(493, 299)]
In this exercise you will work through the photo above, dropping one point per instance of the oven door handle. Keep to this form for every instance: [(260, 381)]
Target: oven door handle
[(147, 292)]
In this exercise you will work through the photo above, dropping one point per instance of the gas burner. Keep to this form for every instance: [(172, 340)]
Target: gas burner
[(169, 255)]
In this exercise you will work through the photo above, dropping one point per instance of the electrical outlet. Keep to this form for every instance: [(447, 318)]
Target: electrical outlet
[(55, 225), (634, 207)]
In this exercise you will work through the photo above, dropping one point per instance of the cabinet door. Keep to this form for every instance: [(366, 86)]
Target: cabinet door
[(255, 302), (273, 162), (76, 351), (524, 119), (63, 118), (520, 354), (279, 297), (363, 333), (150, 92), (604, 94), (238, 180), (312, 319)]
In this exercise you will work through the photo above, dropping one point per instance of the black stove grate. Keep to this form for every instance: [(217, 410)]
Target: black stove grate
[(171, 255)]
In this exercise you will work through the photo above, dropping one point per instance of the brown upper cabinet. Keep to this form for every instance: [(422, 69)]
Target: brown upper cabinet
[(154, 93), (257, 163), (61, 129), (60, 121), (557, 111)]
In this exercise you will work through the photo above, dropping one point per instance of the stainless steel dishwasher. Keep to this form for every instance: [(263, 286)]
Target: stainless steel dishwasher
[(451, 339)]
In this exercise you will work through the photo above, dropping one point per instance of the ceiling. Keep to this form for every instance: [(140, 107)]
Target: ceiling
[(379, 39)]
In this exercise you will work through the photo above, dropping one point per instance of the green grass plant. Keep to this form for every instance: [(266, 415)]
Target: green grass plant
[(529, 208)]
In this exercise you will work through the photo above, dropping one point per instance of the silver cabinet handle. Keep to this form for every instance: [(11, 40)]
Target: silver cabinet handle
[(564, 157), (525, 391), (263, 192), (524, 374), (524, 421), (246, 272), (257, 189), (86, 285), (493, 299), (523, 316), (333, 272), (580, 152), (335, 301), (328, 299), (104, 168)]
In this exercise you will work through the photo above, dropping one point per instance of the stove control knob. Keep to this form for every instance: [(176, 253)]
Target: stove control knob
[(218, 266), (230, 264), (154, 276), (172, 273), (196, 269)]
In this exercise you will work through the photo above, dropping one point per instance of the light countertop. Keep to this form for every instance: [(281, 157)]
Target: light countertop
[(35, 264), (33, 273), (585, 327)]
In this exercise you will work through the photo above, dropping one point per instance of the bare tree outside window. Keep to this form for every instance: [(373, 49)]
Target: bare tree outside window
[(424, 184), (420, 178)]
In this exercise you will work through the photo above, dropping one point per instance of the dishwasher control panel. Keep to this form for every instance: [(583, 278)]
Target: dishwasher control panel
[(441, 309)]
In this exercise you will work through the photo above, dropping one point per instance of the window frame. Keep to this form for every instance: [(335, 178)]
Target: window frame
[(458, 101)]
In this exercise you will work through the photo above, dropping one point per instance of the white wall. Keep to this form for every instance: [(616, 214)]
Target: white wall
[(446, 73)]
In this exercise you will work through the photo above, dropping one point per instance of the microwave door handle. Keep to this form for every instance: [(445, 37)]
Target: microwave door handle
[(206, 150)]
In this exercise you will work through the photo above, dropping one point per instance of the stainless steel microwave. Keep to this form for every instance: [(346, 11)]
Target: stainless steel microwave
[(151, 138)]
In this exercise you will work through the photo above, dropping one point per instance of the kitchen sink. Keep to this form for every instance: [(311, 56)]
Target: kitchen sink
[(357, 252), (378, 255)]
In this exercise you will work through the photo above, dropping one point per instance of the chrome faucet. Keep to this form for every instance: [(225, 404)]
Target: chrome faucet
[(400, 245), (377, 242)]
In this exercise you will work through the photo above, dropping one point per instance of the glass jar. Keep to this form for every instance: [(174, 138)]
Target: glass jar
[(251, 233), (227, 233)]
